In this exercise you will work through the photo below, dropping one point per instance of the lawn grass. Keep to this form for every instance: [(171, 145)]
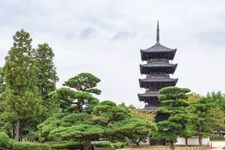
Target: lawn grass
[(166, 148)]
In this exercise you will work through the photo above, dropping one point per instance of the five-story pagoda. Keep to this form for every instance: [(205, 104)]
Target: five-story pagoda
[(157, 70)]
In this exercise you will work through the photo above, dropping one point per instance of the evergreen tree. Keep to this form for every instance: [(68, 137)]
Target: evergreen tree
[(2, 82), (85, 82), (21, 95), (47, 77), (208, 117), (80, 99), (174, 105), (218, 98)]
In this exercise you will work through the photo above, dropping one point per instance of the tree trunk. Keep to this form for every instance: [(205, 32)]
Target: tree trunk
[(17, 136), (172, 147), (200, 140), (150, 141), (186, 141), (87, 144), (200, 134)]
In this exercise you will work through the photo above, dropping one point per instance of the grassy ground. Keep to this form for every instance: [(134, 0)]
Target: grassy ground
[(165, 148)]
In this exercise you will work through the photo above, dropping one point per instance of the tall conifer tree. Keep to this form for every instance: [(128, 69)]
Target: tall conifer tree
[(21, 95), (47, 77)]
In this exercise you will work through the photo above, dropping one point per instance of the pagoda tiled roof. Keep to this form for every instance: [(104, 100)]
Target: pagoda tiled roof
[(158, 67), (158, 48), (149, 109), (157, 82), (149, 94), (158, 51)]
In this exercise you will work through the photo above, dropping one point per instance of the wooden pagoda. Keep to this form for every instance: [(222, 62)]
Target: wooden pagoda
[(157, 70)]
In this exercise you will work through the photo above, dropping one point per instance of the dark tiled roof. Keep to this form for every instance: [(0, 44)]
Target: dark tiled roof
[(149, 109), (158, 48), (148, 94)]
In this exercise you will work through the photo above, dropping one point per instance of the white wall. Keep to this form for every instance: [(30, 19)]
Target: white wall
[(192, 141)]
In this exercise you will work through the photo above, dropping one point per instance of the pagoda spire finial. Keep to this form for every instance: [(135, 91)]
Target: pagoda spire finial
[(157, 36)]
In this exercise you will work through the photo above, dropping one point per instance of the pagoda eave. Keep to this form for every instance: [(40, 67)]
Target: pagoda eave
[(146, 55), (157, 83), (156, 68)]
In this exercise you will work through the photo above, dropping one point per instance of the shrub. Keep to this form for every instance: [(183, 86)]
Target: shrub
[(30, 146), (118, 145), (217, 138), (5, 141), (110, 145), (105, 145), (67, 146)]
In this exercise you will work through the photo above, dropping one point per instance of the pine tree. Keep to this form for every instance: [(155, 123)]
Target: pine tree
[(81, 99), (174, 103), (21, 95)]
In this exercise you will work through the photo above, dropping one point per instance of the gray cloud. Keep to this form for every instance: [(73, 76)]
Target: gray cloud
[(116, 30), (87, 33), (216, 37), (123, 35)]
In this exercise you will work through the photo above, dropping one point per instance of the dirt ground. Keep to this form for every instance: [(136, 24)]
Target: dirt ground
[(218, 145)]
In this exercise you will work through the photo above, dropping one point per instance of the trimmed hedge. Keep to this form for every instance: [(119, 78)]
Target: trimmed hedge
[(67, 146), (30, 146)]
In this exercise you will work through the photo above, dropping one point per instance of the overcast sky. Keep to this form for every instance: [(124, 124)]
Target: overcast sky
[(104, 37)]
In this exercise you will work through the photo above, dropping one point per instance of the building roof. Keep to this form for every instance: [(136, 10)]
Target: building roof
[(158, 48), (158, 51), (149, 94), (149, 109), (156, 67), (157, 82)]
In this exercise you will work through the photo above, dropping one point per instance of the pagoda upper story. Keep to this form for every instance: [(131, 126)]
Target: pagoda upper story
[(157, 70)]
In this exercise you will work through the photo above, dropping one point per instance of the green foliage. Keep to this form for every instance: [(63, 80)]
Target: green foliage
[(208, 117), (135, 129), (105, 145), (70, 126), (77, 131), (85, 82), (218, 98), (21, 95), (215, 137), (30, 146), (108, 112), (80, 100), (74, 101), (2, 83), (47, 77), (118, 145), (174, 102), (67, 145), (141, 114), (5, 141)]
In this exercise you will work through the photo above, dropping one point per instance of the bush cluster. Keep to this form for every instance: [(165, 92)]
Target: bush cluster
[(5, 141), (67, 146), (115, 145), (30, 146)]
